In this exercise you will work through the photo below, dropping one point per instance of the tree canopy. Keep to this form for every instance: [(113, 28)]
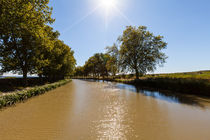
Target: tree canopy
[(139, 52), (28, 45)]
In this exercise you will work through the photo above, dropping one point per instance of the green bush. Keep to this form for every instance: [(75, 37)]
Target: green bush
[(11, 99)]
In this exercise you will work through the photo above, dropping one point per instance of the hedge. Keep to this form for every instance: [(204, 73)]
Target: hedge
[(13, 98)]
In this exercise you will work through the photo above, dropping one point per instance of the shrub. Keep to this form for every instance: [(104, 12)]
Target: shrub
[(11, 99)]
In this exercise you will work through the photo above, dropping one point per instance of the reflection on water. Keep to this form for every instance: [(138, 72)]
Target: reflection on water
[(162, 95), (84, 110), (111, 126)]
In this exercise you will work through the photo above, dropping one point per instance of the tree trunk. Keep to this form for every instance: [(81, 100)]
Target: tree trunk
[(25, 60), (136, 68), (25, 77), (40, 78), (137, 74)]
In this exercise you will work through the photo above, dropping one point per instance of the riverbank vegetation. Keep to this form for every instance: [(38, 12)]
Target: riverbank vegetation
[(196, 83), (29, 45), (196, 86), (12, 84), (14, 97), (138, 53), (205, 75)]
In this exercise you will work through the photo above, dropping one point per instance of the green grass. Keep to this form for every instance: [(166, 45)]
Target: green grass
[(189, 75), (204, 75), (12, 98)]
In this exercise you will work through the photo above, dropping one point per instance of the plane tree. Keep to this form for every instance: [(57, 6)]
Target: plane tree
[(20, 26), (140, 50), (113, 61)]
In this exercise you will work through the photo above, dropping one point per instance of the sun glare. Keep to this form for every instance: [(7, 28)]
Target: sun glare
[(107, 9), (108, 3)]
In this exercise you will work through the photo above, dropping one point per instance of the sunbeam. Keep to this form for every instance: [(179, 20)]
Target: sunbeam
[(82, 19), (109, 7), (123, 15)]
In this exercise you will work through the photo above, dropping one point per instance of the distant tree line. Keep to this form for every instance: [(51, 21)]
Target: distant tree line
[(28, 45), (138, 51)]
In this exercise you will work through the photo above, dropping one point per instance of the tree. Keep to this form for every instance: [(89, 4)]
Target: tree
[(20, 26), (100, 62), (90, 67), (96, 66), (140, 50), (44, 49), (61, 61), (113, 61), (79, 71)]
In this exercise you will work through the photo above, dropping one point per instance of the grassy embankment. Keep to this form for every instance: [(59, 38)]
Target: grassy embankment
[(197, 83), (18, 96)]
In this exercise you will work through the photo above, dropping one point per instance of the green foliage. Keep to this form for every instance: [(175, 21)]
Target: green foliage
[(79, 71), (20, 28), (61, 61), (7, 100), (96, 66), (113, 62), (28, 44), (140, 50)]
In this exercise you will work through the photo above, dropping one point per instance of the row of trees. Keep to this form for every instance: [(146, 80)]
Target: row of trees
[(98, 65), (138, 51), (28, 45)]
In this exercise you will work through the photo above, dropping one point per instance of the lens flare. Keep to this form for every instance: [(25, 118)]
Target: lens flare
[(108, 3)]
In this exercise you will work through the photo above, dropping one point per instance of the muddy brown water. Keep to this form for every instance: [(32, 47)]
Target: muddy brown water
[(89, 110)]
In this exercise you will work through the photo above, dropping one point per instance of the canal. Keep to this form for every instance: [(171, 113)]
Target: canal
[(89, 110)]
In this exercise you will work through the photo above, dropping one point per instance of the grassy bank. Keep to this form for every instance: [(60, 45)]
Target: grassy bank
[(203, 75), (14, 97), (183, 85), (196, 83), (12, 84)]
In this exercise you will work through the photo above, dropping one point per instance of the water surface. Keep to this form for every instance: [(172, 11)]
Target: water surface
[(104, 110)]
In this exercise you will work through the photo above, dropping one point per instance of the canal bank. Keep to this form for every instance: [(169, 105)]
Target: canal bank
[(14, 97), (190, 86)]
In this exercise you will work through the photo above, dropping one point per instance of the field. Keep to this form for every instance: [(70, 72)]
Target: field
[(189, 75)]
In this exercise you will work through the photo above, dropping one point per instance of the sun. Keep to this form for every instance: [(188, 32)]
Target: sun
[(107, 4)]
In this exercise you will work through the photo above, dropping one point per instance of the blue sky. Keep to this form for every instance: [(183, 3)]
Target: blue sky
[(185, 25)]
